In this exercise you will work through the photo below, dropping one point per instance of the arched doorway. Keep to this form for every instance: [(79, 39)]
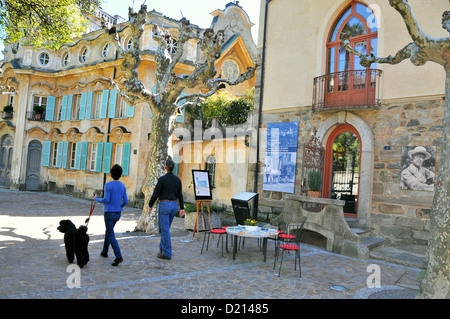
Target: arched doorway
[(6, 149), (33, 166), (342, 167)]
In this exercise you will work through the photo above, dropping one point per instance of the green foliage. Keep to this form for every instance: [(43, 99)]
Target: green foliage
[(230, 111), (7, 108), (44, 23), (314, 180), (38, 109)]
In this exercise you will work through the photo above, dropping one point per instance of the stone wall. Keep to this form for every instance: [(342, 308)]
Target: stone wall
[(400, 215)]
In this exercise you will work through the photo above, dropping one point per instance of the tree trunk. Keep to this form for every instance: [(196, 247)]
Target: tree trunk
[(436, 283), (161, 131)]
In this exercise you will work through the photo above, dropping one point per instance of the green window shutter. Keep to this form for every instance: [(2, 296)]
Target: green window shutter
[(98, 167), (130, 111), (107, 158), (104, 109), (69, 108), (64, 154), (46, 153), (84, 153), (112, 104), (90, 96), (83, 106), (176, 159), (50, 109), (59, 155), (78, 155), (126, 159), (180, 118), (64, 108)]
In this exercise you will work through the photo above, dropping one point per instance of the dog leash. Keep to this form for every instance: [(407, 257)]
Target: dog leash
[(92, 210)]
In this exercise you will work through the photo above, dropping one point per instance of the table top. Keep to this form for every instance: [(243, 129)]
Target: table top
[(259, 233)]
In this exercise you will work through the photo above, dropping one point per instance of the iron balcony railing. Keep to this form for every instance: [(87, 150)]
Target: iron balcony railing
[(33, 116), (347, 89), (7, 115)]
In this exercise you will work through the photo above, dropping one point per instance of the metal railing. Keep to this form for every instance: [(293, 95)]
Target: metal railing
[(33, 116), (353, 88)]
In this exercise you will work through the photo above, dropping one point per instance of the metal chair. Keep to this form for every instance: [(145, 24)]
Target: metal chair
[(218, 231), (293, 245)]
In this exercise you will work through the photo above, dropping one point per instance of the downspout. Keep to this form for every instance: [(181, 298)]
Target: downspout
[(261, 94)]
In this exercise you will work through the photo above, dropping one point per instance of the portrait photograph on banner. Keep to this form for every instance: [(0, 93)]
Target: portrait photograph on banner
[(418, 168), (280, 157)]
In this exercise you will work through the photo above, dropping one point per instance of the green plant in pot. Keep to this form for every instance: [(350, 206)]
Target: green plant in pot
[(8, 108), (38, 110), (314, 183)]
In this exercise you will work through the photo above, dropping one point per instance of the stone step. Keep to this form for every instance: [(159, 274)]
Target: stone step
[(399, 256), (373, 242)]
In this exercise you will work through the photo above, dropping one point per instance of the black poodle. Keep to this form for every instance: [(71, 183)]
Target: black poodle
[(76, 242)]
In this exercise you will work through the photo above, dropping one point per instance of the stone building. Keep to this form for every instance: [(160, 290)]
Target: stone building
[(369, 121), (67, 127)]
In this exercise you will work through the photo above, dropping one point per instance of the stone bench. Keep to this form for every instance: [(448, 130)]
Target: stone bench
[(329, 222)]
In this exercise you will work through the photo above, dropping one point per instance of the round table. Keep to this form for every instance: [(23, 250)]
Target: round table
[(240, 231)]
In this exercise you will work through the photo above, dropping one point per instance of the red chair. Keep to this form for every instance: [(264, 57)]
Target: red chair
[(293, 245), (218, 231)]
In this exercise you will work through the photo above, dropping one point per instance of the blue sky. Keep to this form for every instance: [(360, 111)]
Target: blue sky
[(196, 11)]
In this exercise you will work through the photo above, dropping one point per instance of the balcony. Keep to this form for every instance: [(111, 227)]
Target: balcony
[(7, 115), (354, 89), (34, 116)]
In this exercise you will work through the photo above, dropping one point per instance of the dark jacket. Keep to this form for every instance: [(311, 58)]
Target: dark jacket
[(167, 188)]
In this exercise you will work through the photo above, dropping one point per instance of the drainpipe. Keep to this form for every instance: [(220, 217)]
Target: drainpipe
[(255, 187)]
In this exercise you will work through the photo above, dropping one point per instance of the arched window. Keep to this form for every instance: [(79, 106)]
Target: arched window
[(357, 22), (211, 168), (347, 82)]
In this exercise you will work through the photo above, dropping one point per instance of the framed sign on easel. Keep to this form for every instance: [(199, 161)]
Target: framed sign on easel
[(202, 194)]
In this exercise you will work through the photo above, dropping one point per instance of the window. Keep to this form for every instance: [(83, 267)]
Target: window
[(172, 45), (44, 59), (65, 59), (231, 70), (119, 154), (93, 157), (97, 106), (59, 109), (357, 24), (129, 44), (105, 50), (122, 112), (54, 155), (211, 168), (84, 55), (72, 155), (39, 102), (76, 107)]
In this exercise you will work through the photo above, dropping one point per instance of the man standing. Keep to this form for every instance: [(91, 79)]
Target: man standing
[(168, 190)]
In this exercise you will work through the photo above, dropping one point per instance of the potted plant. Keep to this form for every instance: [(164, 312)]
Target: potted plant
[(7, 111), (250, 224), (38, 110), (314, 183)]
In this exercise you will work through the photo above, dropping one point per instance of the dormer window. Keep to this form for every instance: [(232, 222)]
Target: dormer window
[(172, 45), (44, 59), (230, 70), (129, 44), (105, 50), (65, 59), (84, 55)]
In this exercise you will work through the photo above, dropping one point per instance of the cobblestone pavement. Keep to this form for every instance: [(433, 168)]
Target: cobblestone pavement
[(33, 262)]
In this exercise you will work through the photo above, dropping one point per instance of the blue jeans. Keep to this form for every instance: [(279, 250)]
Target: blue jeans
[(167, 211), (110, 238)]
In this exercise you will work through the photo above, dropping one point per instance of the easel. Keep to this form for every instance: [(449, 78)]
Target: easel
[(200, 206)]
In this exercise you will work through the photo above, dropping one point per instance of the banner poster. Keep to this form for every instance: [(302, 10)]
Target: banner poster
[(281, 157)]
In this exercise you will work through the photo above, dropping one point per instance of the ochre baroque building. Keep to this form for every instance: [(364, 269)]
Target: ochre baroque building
[(370, 122), (67, 127)]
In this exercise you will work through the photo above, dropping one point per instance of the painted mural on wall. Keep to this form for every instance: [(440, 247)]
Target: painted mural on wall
[(418, 168), (281, 155)]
